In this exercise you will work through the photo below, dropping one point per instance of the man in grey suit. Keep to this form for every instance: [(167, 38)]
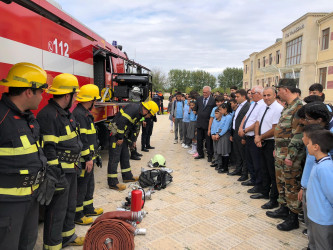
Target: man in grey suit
[(204, 106), (239, 142)]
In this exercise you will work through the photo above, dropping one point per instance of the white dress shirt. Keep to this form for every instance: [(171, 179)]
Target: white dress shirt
[(271, 118), (236, 113), (252, 116)]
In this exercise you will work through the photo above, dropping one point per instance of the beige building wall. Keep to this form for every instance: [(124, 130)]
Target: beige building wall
[(300, 56)]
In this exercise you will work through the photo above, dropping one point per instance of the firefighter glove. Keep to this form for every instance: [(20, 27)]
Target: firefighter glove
[(46, 189), (99, 161)]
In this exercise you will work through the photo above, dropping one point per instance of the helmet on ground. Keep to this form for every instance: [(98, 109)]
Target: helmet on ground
[(88, 93), (25, 75), (64, 84), (157, 161), (151, 106)]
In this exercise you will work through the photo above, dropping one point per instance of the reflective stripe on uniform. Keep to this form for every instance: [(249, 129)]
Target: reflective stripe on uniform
[(114, 145), (126, 170), (56, 247), (112, 175), (18, 191), (86, 203), (68, 233), (27, 148), (58, 189), (24, 171), (53, 162), (85, 152), (82, 173), (92, 147), (88, 131), (127, 116), (78, 209), (67, 165), (56, 139), (120, 131)]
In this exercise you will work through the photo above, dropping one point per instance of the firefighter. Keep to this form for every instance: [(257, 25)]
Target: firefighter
[(89, 93), (62, 147), (125, 121), (22, 161)]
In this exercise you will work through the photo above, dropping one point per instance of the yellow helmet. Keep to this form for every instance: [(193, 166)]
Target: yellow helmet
[(64, 84), (25, 75), (88, 93), (151, 106)]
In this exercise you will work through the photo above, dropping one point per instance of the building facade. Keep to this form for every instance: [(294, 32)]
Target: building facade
[(304, 52)]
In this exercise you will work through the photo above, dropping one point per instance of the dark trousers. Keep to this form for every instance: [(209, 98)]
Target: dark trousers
[(268, 170), (186, 140), (253, 162), (118, 153), (201, 136), (147, 132), (59, 227), (239, 153), (18, 224), (85, 193)]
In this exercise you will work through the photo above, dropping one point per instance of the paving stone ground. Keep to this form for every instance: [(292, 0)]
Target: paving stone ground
[(199, 210)]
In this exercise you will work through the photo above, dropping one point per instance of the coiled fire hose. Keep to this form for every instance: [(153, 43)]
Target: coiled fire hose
[(111, 231)]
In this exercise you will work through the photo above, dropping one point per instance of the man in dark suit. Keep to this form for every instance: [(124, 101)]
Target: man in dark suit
[(239, 142), (204, 106)]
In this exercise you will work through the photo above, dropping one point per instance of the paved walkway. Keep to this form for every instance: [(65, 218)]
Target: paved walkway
[(199, 210)]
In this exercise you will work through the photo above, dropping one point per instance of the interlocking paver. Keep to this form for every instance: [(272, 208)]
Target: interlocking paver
[(199, 210)]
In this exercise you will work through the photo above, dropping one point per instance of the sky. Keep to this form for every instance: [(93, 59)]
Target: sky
[(205, 35)]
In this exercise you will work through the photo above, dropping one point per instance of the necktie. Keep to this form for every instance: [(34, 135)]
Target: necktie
[(205, 102), (262, 119), (247, 118)]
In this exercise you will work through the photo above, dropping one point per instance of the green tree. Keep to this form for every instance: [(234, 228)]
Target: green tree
[(160, 81), (230, 77)]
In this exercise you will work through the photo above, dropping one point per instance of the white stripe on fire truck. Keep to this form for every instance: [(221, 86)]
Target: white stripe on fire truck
[(14, 52)]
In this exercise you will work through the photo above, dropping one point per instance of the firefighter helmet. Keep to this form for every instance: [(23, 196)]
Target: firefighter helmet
[(158, 161), (151, 106), (88, 93), (64, 84), (25, 75)]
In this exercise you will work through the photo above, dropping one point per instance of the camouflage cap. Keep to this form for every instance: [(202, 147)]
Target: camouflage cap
[(287, 82)]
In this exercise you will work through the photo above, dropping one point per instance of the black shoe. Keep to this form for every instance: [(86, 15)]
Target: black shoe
[(290, 223), (135, 157), (270, 205), (259, 196), (222, 171), (281, 213), (144, 150), (199, 157), (243, 178), (254, 190), (150, 147), (247, 183), (236, 172), (305, 232), (209, 159), (214, 165), (138, 154)]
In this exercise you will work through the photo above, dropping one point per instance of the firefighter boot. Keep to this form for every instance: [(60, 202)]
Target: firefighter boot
[(79, 241), (96, 212), (280, 213), (134, 179), (119, 187), (290, 223), (84, 221)]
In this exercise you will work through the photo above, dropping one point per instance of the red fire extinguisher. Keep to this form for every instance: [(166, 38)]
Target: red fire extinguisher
[(136, 200)]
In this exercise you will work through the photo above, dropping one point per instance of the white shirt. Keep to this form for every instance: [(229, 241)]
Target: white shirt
[(236, 113), (252, 116), (271, 118), (203, 100)]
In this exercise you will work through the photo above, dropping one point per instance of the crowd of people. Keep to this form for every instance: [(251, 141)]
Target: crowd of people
[(279, 145)]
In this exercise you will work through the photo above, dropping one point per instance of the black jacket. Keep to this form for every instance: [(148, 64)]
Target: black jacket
[(204, 112), (240, 117)]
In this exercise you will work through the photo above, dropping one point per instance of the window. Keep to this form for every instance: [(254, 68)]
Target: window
[(263, 82), (277, 57), (322, 76), (270, 59), (269, 81), (294, 51), (258, 82), (276, 80), (258, 63), (264, 61), (325, 39), (246, 69)]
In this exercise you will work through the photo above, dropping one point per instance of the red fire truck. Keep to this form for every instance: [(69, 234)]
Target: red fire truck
[(40, 32)]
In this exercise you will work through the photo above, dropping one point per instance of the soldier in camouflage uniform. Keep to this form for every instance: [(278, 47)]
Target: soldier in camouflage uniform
[(289, 154)]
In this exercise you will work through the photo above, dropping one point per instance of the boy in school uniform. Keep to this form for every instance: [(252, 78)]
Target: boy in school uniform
[(319, 193)]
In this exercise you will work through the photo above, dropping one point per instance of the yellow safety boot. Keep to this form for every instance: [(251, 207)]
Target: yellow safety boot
[(119, 187), (134, 179), (84, 221), (96, 212), (79, 241)]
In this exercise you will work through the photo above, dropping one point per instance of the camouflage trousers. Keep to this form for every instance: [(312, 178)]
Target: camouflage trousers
[(288, 181)]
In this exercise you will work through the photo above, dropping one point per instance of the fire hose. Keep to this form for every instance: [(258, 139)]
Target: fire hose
[(111, 231)]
